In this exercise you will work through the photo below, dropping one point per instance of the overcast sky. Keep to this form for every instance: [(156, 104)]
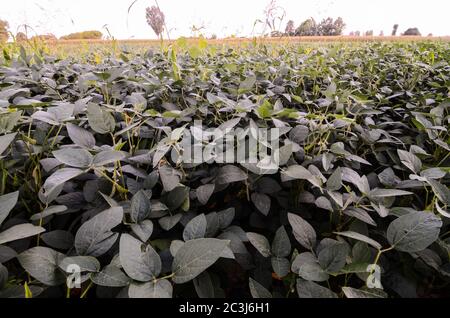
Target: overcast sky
[(221, 17)]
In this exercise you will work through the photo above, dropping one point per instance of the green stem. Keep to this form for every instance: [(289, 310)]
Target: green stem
[(87, 289)]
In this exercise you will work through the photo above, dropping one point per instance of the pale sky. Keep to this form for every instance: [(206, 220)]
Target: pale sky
[(221, 17)]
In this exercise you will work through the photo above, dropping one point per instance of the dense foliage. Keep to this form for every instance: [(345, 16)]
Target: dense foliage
[(87, 177)]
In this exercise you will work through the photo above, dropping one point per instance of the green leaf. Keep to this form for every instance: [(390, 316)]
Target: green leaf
[(307, 267), (281, 266), (298, 172), (42, 263), (59, 178), (307, 289), (100, 120), (5, 141), (229, 174), (140, 206), (260, 242), (332, 258), (303, 232), (170, 177), (139, 261), (257, 290), (262, 202), (247, 84), (80, 136), (195, 256), (351, 292), (204, 192), (159, 289), (85, 263), (95, 237), (7, 203), (360, 237), (386, 193), (107, 157), (111, 276), (78, 158), (143, 230), (3, 276), (18, 232), (441, 191), (204, 286), (411, 161), (281, 245), (196, 228), (414, 232)]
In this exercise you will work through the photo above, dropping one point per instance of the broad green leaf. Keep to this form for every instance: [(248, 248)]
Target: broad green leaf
[(332, 258), (170, 177), (257, 290), (7, 203), (281, 245), (262, 202), (80, 136), (100, 120), (303, 232), (95, 237), (111, 276), (307, 289), (307, 267), (85, 263), (260, 242), (229, 174), (42, 263), (441, 191), (158, 289), (204, 286), (360, 237), (139, 261), (351, 292), (204, 192), (18, 232), (140, 206), (59, 178), (414, 232), (196, 228), (281, 266), (143, 230), (411, 161), (195, 256), (5, 141), (78, 158)]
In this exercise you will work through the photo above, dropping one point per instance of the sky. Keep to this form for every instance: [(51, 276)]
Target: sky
[(220, 17)]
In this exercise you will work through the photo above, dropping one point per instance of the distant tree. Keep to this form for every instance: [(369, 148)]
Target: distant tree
[(357, 33), (339, 26), (394, 30), (430, 34), (330, 27), (351, 33), (4, 31), (307, 28), (44, 37), (412, 31), (369, 33), (213, 36), (290, 28), (21, 37), (155, 19), (85, 35), (381, 33)]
